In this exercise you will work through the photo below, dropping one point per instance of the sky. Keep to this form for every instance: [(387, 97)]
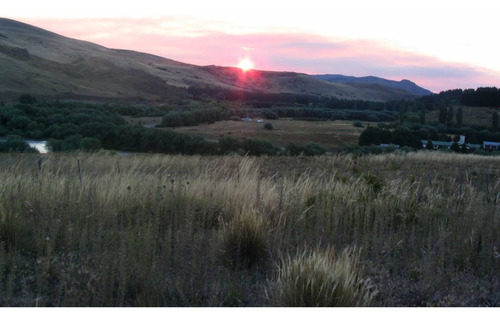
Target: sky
[(437, 44)]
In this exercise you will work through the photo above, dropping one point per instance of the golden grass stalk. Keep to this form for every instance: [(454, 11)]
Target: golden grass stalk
[(323, 278)]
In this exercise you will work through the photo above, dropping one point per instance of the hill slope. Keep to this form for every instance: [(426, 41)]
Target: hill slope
[(48, 65), (403, 84)]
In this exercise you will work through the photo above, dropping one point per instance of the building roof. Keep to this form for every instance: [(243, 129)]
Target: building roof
[(490, 143)]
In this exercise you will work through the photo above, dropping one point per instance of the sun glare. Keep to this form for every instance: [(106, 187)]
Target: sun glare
[(245, 64)]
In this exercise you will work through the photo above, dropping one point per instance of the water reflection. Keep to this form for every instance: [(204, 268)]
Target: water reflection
[(41, 146)]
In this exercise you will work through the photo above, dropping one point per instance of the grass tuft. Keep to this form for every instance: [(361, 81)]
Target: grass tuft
[(324, 279), (244, 240)]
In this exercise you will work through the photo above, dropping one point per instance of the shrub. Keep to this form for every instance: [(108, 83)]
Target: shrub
[(15, 143), (268, 126), (91, 144), (322, 278), (54, 145), (312, 149), (243, 240), (293, 149), (270, 115), (229, 144), (357, 124), (259, 147), (71, 143), (27, 99)]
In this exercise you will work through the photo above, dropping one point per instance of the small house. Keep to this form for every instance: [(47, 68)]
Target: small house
[(488, 145)]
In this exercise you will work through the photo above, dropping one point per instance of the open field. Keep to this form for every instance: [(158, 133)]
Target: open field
[(155, 230), (330, 134)]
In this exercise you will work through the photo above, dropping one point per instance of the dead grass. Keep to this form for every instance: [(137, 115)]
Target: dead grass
[(147, 230), (330, 134), (323, 278)]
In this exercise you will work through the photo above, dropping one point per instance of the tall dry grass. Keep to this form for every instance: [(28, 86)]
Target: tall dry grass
[(323, 278), (156, 230)]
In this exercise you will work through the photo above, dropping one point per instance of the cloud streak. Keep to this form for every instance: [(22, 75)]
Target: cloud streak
[(202, 42)]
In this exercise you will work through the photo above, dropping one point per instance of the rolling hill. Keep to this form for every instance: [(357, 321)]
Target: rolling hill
[(403, 84), (50, 66)]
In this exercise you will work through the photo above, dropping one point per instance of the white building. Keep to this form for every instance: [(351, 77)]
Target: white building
[(488, 145)]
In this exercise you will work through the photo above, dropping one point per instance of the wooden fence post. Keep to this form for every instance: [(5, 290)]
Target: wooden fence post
[(79, 171), (40, 163)]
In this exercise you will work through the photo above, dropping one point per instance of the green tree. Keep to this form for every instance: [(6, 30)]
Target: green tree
[(91, 144), (15, 143), (449, 115), (229, 144), (72, 143), (293, 150), (442, 113), (54, 145), (27, 99), (494, 122), (312, 149), (268, 126), (460, 117), (19, 122), (259, 147), (429, 145), (357, 124), (422, 115), (455, 147)]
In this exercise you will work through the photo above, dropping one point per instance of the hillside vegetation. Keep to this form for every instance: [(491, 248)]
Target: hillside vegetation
[(417, 229), (51, 66)]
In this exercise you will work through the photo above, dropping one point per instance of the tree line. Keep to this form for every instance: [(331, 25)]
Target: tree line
[(77, 126)]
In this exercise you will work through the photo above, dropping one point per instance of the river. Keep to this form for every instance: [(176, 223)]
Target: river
[(41, 146)]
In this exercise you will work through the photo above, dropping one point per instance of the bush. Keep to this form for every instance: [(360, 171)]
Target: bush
[(259, 147), (312, 149), (15, 143), (322, 278), (243, 240), (268, 126), (270, 115), (229, 144), (91, 144), (27, 99), (72, 143), (357, 124), (54, 145)]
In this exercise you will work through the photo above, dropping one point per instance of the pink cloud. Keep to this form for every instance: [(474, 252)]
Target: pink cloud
[(202, 43)]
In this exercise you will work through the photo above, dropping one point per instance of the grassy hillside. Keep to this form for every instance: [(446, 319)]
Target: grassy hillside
[(47, 65), (417, 229)]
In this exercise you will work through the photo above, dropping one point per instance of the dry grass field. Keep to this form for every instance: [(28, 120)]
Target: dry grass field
[(417, 229), (330, 134)]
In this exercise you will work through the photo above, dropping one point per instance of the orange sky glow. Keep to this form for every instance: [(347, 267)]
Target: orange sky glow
[(439, 45)]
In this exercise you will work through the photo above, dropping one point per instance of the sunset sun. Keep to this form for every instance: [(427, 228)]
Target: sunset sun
[(245, 64)]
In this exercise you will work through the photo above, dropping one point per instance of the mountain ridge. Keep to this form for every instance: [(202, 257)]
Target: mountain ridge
[(45, 64), (404, 84)]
